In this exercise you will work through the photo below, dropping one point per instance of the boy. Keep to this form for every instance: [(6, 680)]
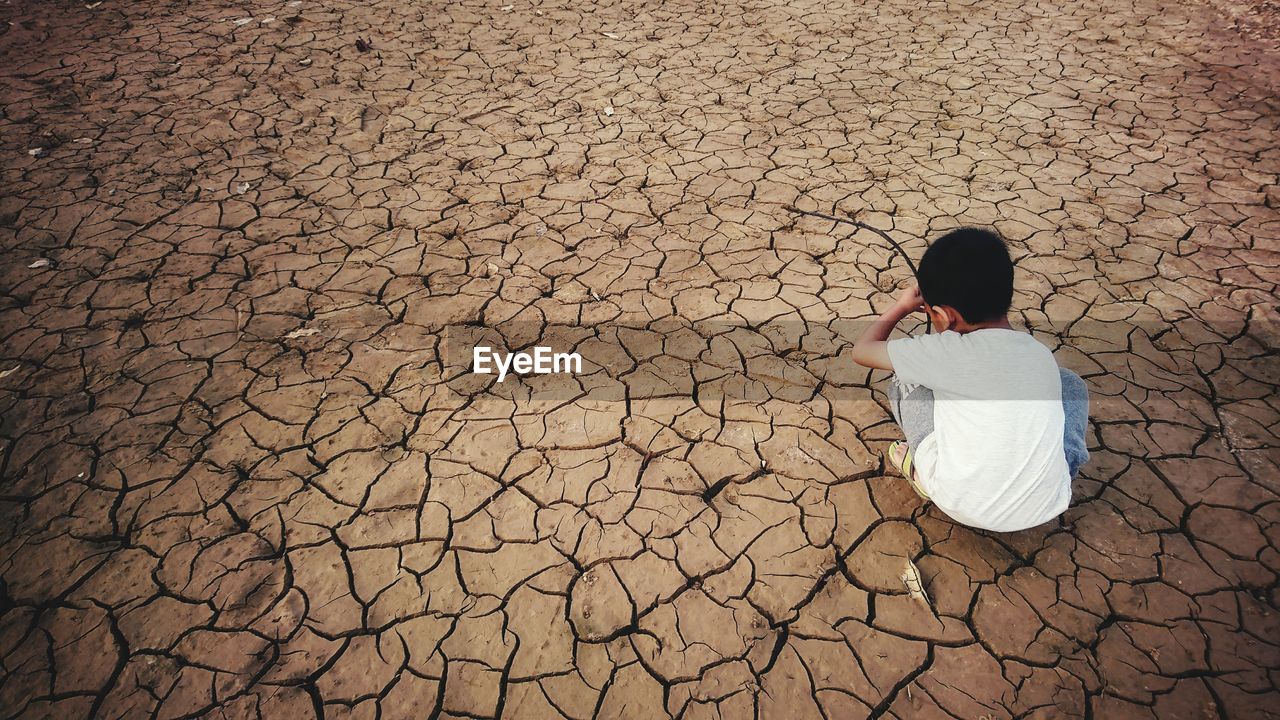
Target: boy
[(994, 428)]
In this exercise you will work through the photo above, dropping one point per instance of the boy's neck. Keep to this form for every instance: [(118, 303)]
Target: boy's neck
[(964, 327)]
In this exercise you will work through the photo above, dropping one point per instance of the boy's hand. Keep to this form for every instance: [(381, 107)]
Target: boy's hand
[(871, 349), (910, 300)]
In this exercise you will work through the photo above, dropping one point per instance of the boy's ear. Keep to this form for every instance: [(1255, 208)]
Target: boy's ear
[(946, 317)]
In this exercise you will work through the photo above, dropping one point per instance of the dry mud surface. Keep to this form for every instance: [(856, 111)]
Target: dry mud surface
[(244, 475)]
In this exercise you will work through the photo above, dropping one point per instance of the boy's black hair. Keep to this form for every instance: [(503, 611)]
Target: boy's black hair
[(968, 269)]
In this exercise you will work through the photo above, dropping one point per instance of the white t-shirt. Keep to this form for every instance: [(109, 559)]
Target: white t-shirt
[(995, 458)]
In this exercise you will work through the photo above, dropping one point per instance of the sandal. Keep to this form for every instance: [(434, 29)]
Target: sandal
[(900, 455)]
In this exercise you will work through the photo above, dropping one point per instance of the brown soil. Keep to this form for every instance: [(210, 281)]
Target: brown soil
[(244, 477)]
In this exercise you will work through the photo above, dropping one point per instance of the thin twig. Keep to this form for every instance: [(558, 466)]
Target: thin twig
[(928, 325), (862, 225)]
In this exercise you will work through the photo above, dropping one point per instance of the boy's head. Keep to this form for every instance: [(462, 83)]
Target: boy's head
[(967, 271)]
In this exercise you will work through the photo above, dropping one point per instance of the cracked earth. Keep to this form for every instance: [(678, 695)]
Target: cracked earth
[(245, 475)]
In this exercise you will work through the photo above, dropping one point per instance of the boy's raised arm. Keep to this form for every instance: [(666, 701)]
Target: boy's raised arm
[(872, 349)]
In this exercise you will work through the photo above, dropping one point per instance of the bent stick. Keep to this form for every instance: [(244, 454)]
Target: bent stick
[(862, 225)]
